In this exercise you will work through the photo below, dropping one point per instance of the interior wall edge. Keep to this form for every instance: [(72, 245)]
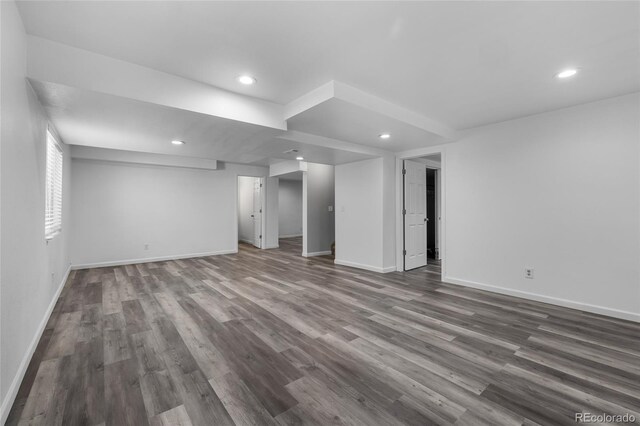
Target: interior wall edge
[(565, 303), (317, 253), (24, 364), (80, 152), (365, 267)]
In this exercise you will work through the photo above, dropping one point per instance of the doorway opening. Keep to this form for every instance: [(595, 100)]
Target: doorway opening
[(250, 210), (433, 214), (421, 211), (306, 219), (290, 211)]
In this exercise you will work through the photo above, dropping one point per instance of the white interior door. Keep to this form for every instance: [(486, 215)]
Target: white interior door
[(257, 212), (415, 215)]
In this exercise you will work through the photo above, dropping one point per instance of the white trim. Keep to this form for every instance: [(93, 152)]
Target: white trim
[(406, 155), (150, 259), (365, 267), (236, 224), (290, 236), (244, 240), (272, 247), (263, 213), (616, 313), (24, 364), (316, 253)]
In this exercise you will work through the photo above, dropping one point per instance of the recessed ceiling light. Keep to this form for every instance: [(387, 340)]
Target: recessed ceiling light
[(177, 142), (384, 135), (247, 80), (567, 73), (299, 158)]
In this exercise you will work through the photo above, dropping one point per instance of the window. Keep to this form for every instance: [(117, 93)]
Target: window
[(53, 208)]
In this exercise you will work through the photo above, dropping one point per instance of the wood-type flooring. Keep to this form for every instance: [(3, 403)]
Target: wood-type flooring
[(267, 337)]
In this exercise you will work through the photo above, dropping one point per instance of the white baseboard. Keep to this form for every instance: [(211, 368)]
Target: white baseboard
[(547, 299), (24, 364), (244, 240), (272, 247), (149, 259), (317, 253), (365, 267), (290, 236)]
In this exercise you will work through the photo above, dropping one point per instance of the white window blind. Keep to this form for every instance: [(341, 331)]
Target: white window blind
[(53, 208)]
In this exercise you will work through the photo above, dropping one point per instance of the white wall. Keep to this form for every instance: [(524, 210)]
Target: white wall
[(118, 208), (245, 208), (271, 213), (558, 192), (365, 214), (359, 214), (31, 271), (290, 212), (388, 214), (318, 226)]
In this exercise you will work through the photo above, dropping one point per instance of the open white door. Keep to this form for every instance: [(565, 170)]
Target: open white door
[(415, 215), (257, 213)]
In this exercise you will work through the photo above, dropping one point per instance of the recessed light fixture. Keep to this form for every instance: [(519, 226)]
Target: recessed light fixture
[(570, 72), (247, 80), (177, 142), (299, 158), (384, 135)]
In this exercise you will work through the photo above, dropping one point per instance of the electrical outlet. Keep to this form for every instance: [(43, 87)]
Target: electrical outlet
[(528, 273), (146, 246), (330, 208)]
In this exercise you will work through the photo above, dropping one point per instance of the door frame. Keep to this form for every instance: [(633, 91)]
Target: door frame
[(263, 225), (404, 215), (438, 204), (263, 210), (408, 155)]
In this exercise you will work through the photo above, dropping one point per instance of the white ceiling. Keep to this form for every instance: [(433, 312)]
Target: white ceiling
[(133, 75), (461, 63), (275, 149), (95, 119), (90, 118), (338, 119), (297, 176)]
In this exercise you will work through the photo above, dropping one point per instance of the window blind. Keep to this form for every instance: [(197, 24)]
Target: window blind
[(53, 208)]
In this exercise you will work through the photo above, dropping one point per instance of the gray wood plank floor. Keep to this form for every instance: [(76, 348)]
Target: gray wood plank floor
[(266, 337)]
